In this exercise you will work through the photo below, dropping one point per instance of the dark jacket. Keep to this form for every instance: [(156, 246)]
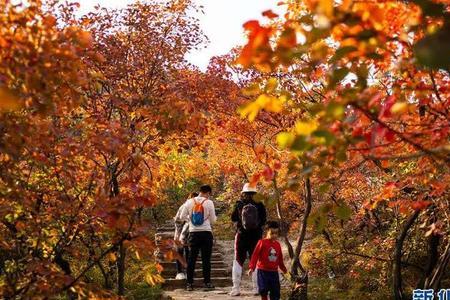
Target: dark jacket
[(236, 218)]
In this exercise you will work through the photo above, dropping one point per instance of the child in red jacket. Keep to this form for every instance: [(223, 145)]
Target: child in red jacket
[(267, 258)]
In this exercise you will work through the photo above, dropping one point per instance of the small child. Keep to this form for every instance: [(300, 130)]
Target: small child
[(267, 258)]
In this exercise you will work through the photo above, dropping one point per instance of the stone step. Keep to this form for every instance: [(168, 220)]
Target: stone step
[(170, 266), (165, 235), (166, 229), (199, 261), (171, 284), (215, 249), (214, 256), (215, 272)]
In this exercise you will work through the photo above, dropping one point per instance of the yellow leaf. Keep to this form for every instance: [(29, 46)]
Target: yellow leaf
[(149, 279), (285, 139), (399, 107), (326, 7), (346, 4), (249, 111), (306, 128), (272, 84), (252, 90), (275, 104), (159, 278), (305, 258), (8, 101), (264, 101)]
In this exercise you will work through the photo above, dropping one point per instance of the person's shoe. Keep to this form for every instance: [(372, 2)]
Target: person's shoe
[(235, 293), (209, 286), (180, 276), (189, 287)]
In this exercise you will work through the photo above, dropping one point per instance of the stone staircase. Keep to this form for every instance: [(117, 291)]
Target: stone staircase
[(220, 270)]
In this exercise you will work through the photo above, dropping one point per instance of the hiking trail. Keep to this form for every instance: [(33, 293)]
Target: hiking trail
[(221, 262)]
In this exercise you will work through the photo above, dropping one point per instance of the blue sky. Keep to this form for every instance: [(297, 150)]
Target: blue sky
[(222, 22)]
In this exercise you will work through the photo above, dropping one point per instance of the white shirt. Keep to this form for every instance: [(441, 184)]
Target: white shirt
[(209, 210), (180, 230)]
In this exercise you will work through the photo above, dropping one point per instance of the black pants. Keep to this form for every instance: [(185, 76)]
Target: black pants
[(245, 245), (201, 241), (269, 284), (184, 252)]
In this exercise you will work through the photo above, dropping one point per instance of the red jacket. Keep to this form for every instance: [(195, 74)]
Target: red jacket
[(267, 256)]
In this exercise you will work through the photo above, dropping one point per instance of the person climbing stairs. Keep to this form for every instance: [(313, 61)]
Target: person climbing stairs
[(220, 270)]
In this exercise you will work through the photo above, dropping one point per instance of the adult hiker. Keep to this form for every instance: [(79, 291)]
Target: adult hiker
[(249, 217), (201, 214), (182, 236)]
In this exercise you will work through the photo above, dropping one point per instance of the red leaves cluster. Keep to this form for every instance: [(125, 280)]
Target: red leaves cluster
[(258, 50)]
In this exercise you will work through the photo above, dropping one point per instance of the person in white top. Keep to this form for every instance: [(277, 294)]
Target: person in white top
[(182, 236), (201, 214)]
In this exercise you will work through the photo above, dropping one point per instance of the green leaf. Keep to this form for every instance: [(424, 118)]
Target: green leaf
[(300, 144), (324, 188), (431, 8), (317, 34), (320, 222), (335, 110), (433, 50), (293, 185), (366, 34), (343, 211), (316, 108), (324, 172), (341, 155), (341, 52), (374, 56), (326, 135), (338, 75)]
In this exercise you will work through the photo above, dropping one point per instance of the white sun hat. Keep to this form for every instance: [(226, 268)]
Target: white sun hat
[(249, 189)]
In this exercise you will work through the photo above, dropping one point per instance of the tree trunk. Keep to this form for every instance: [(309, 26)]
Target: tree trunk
[(121, 270), (433, 257), (65, 266), (397, 260), (434, 280), (284, 226), (300, 281)]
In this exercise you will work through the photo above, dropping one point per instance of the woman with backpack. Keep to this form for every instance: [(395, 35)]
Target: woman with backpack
[(249, 217), (201, 214), (182, 236)]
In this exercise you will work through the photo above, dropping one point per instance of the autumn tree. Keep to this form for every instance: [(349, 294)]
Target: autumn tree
[(372, 97), (89, 104)]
